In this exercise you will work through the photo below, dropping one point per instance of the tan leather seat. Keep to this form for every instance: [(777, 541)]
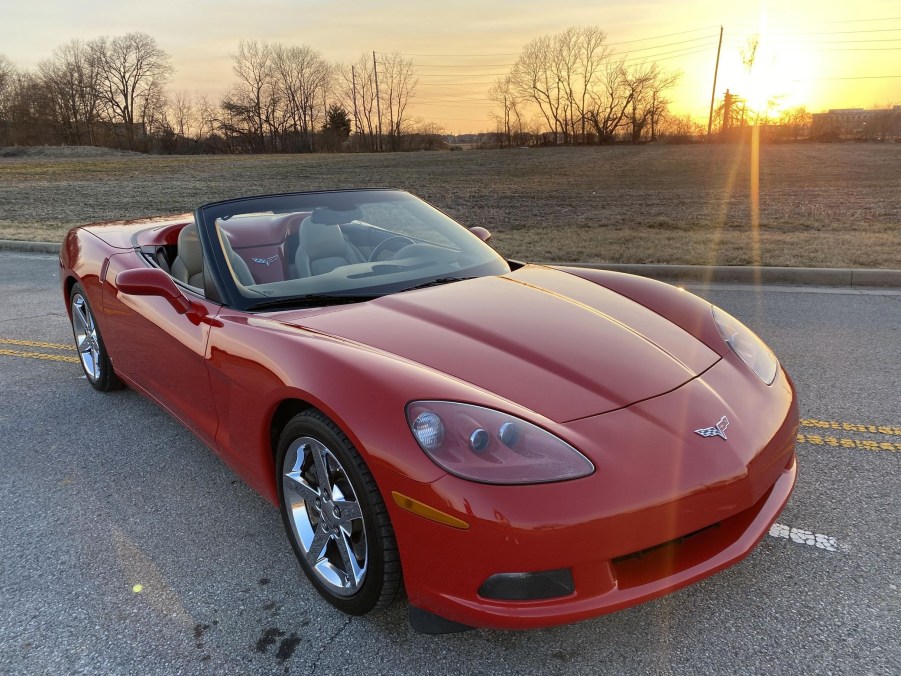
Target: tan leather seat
[(188, 264), (322, 244)]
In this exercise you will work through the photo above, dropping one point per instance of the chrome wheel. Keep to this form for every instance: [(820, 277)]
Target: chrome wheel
[(87, 342), (325, 516)]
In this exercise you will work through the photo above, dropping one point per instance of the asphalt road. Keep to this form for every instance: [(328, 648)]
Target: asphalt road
[(127, 547)]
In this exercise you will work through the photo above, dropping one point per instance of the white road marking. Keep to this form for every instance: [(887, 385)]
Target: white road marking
[(804, 537)]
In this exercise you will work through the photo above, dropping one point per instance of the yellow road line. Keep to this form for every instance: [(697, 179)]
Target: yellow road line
[(39, 355), (862, 445), (888, 430), (35, 343)]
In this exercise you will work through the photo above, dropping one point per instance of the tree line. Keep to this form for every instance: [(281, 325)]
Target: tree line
[(566, 88), (582, 90), (284, 98), (108, 91)]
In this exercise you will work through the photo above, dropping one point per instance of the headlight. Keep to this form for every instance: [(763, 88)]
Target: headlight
[(745, 343), (481, 444)]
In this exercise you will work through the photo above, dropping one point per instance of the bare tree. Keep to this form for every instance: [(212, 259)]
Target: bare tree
[(26, 112), (586, 48), (505, 95), (72, 80), (681, 129), (397, 85), (181, 113), (562, 75), (7, 81), (207, 117), (645, 85), (535, 79), (248, 107), (132, 71), (356, 92), (794, 123), (609, 102), (302, 77), (575, 83)]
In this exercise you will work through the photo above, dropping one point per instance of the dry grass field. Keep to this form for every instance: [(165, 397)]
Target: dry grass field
[(820, 205)]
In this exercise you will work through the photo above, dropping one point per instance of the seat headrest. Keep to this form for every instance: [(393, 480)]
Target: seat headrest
[(329, 216), (318, 240), (189, 249)]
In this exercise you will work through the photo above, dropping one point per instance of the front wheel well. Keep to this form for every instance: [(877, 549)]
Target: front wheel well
[(283, 414), (70, 282)]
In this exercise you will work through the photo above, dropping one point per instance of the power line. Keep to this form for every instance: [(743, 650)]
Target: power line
[(460, 84), (459, 75), (678, 54), (669, 44), (888, 18), (829, 49), (461, 55), (792, 35), (468, 65), (860, 77), (659, 37), (608, 44)]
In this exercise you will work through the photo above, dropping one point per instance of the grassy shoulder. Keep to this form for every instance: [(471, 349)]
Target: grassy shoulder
[(819, 205)]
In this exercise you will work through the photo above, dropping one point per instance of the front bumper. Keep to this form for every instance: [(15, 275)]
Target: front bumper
[(621, 542)]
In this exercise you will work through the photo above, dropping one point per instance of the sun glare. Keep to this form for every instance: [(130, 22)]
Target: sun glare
[(778, 76)]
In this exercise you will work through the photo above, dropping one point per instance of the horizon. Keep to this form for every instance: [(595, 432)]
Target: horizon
[(844, 58)]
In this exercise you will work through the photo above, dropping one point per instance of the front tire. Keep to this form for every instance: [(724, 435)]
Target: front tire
[(89, 343), (335, 517)]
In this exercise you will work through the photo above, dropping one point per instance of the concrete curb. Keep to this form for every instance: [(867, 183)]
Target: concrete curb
[(29, 247), (713, 274)]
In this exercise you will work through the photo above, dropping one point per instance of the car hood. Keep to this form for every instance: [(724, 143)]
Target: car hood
[(557, 344)]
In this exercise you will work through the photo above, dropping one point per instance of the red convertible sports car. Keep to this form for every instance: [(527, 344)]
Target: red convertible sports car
[(516, 445)]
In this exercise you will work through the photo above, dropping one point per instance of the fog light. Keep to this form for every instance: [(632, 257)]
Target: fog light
[(547, 584)]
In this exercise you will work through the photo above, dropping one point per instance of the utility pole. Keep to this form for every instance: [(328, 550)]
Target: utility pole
[(378, 101), (353, 80), (716, 71), (507, 122)]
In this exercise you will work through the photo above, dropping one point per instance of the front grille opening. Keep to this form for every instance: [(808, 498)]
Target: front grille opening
[(670, 543)]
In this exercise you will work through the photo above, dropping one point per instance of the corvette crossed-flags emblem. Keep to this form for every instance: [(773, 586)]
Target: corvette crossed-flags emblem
[(266, 261), (717, 431)]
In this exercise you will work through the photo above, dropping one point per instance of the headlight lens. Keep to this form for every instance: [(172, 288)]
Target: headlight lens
[(481, 444), (745, 343)]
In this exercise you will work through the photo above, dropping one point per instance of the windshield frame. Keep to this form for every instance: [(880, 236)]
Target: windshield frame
[(243, 298)]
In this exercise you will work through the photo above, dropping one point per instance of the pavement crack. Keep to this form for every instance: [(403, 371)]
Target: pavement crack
[(328, 644), (20, 318)]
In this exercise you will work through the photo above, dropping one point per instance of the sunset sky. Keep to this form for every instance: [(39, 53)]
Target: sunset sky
[(822, 54)]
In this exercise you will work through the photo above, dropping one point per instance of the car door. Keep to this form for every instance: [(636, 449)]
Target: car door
[(161, 351)]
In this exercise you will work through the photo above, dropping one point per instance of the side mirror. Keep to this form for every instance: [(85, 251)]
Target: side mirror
[(152, 282), (481, 233)]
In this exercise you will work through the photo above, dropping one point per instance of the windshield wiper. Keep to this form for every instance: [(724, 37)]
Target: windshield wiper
[(436, 282), (311, 300)]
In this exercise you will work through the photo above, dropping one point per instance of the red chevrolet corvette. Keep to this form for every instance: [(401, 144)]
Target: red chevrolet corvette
[(517, 445)]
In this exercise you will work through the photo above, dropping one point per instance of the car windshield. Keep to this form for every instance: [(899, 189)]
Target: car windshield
[(341, 245)]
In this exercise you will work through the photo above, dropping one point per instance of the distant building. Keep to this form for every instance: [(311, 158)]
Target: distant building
[(857, 124)]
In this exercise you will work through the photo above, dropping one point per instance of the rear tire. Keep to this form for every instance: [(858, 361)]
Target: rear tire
[(335, 517), (89, 343)]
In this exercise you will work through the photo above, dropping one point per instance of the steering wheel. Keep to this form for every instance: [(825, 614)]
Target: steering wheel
[(381, 246)]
